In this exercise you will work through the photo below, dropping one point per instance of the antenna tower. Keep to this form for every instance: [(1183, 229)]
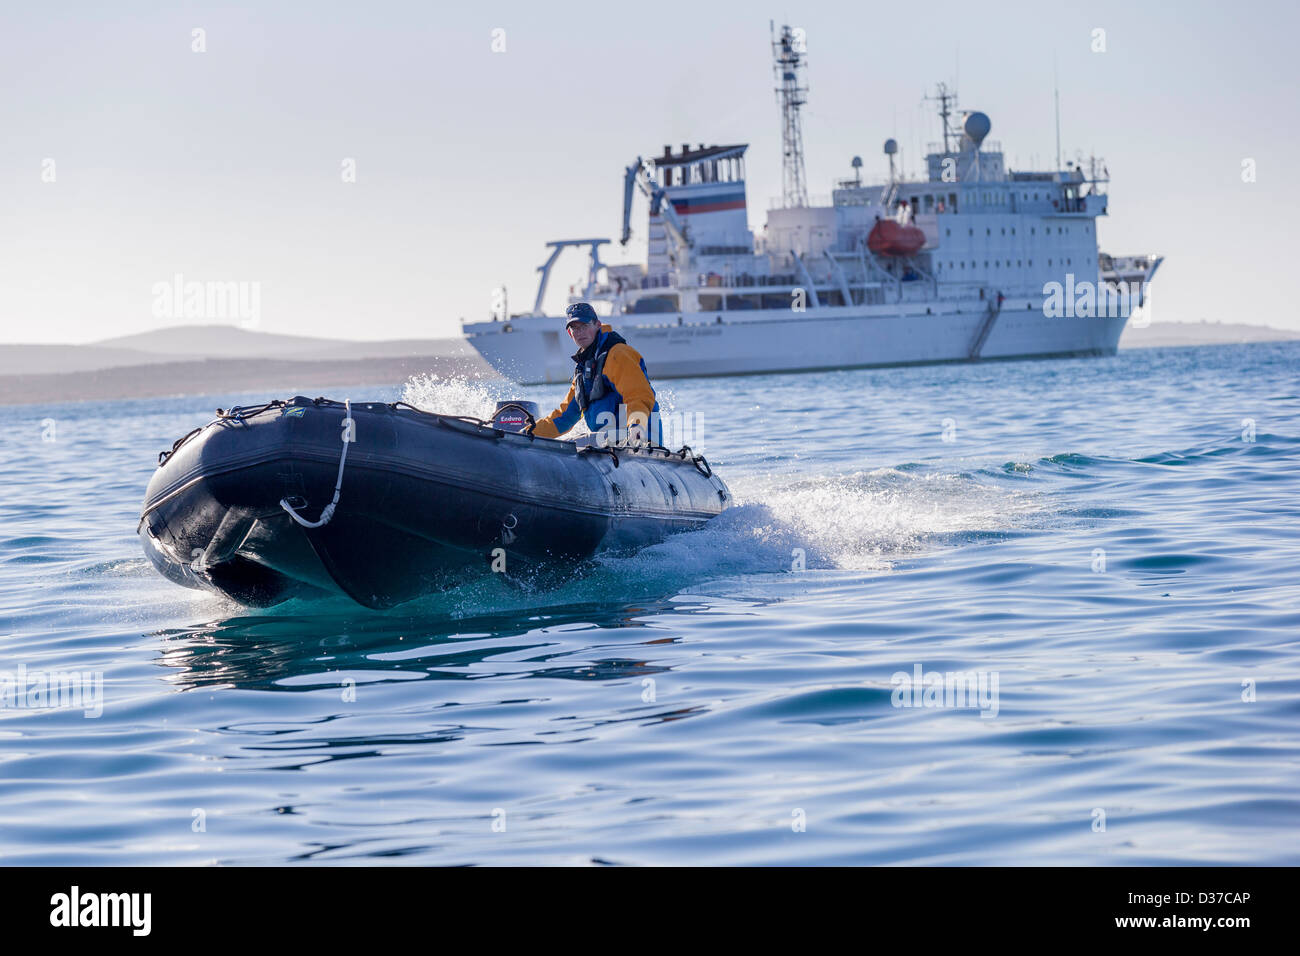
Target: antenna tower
[(788, 58), (946, 99)]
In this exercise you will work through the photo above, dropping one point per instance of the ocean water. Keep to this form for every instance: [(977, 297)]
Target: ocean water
[(1108, 550)]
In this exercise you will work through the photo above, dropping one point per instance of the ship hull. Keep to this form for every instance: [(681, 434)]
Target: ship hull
[(759, 342)]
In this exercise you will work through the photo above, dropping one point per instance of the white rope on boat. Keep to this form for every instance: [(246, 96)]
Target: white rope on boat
[(327, 513)]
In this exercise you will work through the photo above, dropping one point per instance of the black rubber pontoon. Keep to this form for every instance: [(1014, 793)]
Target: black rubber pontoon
[(423, 501)]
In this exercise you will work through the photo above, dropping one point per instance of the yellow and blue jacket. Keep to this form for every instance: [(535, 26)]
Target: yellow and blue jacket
[(612, 375)]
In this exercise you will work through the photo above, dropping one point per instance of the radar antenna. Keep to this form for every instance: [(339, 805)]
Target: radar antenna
[(788, 54)]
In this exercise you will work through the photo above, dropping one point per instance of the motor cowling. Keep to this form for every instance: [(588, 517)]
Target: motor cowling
[(515, 415)]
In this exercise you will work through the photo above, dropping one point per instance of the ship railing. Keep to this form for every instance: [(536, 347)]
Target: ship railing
[(655, 282), (747, 280), (1117, 265), (813, 201), (987, 147)]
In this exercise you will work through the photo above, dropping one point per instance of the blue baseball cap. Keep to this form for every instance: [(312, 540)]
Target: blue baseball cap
[(580, 312)]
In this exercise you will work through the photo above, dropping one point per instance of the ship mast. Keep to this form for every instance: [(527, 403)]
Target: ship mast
[(946, 101), (787, 60)]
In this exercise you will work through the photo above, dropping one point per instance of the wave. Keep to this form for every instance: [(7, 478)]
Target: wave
[(457, 396)]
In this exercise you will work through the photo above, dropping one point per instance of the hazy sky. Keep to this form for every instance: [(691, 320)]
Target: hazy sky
[(227, 165)]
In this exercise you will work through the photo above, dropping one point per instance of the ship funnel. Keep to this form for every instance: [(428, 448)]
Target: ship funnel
[(977, 126)]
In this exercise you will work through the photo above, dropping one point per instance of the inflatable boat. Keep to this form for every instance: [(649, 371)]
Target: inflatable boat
[(383, 502)]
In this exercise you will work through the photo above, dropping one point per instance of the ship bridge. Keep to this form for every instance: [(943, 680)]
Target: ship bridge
[(706, 185)]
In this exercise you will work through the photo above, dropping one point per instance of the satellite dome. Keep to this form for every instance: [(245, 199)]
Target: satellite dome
[(891, 146), (857, 162), (977, 126)]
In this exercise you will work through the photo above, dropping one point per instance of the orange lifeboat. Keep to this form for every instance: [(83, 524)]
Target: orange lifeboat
[(890, 238)]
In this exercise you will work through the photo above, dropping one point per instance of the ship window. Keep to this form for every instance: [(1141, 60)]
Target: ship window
[(1035, 197), (952, 201), (963, 265), (1031, 263), (988, 232), (1049, 262), (949, 231), (971, 231), (972, 263), (1013, 230), (1004, 230), (1032, 231)]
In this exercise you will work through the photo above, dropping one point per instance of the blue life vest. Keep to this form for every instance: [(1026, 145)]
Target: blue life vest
[(596, 394)]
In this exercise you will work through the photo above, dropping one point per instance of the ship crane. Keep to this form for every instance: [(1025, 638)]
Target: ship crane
[(638, 175)]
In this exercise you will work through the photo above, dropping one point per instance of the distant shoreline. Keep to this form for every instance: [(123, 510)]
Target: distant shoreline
[(278, 378), (159, 374), (1175, 334)]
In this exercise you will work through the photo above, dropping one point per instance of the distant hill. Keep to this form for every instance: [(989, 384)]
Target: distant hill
[(217, 359), (1159, 334), (229, 341), (48, 359), (215, 341), (191, 343), (227, 376)]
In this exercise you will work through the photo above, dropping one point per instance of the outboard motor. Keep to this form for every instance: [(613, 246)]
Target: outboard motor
[(515, 415)]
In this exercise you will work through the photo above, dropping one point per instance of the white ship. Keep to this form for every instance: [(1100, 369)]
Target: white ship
[(974, 262)]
